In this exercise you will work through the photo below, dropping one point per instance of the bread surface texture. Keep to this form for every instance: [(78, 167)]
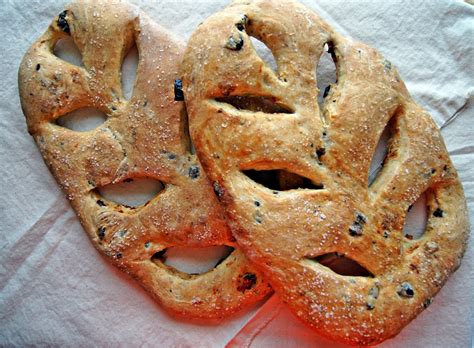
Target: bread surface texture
[(293, 175), (143, 137)]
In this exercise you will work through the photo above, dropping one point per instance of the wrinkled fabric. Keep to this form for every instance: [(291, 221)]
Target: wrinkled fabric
[(56, 289)]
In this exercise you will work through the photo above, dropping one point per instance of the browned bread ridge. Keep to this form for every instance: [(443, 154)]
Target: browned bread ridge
[(144, 137), (294, 176)]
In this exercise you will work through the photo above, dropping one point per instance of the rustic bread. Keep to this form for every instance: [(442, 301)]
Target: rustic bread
[(294, 177), (145, 137)]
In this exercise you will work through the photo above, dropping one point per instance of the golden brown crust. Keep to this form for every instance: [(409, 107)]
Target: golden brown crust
[(143, 137), (284, 231)]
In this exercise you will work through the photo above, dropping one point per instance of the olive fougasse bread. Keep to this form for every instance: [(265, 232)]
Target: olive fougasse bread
[(144, 137), (293, 177)]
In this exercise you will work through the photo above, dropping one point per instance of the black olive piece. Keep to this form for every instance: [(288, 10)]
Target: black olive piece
[(38, 66), (101, 203), (62, 22), (147, 244), (405, 290), (326, 91), (438, 213), (355, 230), (171, 156), (193, 172), (118, 255), (247, 281), (240, 44), (218, 190), (235, 44), (320, 153), (242, 23), (101, 232), (375, 290), (360, 218), (372, 297), (178, 90), (427, 302), (250, 276), (257, 203)]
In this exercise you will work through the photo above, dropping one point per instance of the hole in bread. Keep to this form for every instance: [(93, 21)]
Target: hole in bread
[(185, 130), (193, 260), (386, 148), (129, 72), (192, 149), (416, 218), (281, 180), (82, 120), (342, 265), (380, 154), (326, 74), (268, 105), (264, 53), (67, 50), (132, 192)]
